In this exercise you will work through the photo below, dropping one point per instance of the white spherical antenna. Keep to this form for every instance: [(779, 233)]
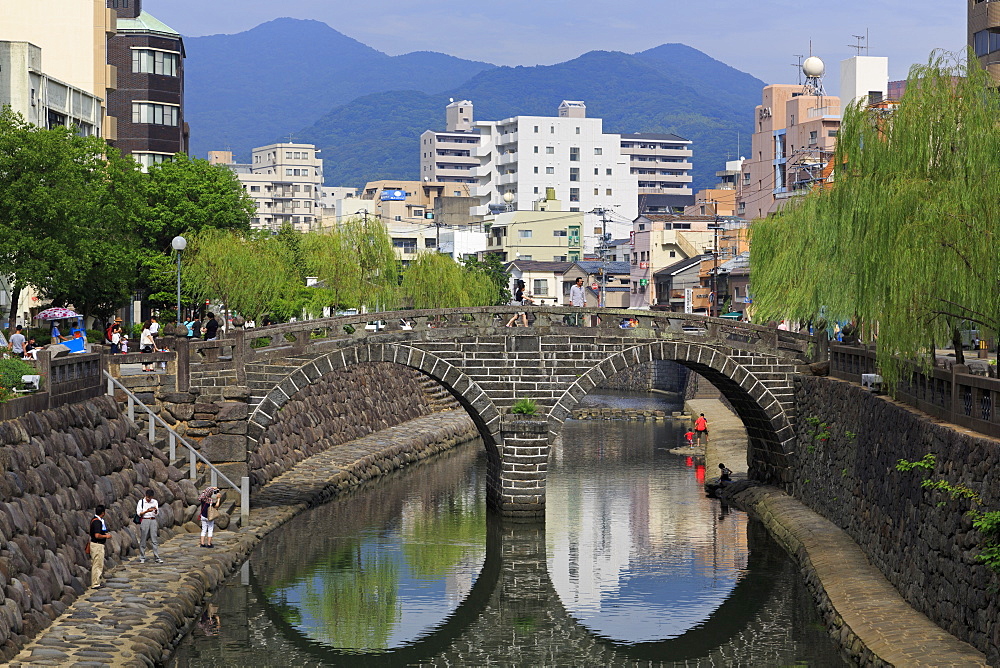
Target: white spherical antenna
[(508, 197), (451, 99), (813, 67)]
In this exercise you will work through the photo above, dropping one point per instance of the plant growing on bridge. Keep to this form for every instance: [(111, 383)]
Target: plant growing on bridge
[(986, 522), (524, 407), (905, 238)]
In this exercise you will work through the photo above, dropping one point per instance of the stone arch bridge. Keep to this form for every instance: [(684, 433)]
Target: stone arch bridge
[(557, 359)]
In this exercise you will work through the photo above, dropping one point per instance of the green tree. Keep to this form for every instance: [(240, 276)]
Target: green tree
[(434, 280), (245, 274), (905, 239), (492, 267)]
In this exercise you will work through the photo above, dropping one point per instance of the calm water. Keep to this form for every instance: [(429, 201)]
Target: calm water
[(633, 564)]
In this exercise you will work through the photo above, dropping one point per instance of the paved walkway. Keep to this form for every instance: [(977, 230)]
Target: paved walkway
[(874, 622), (727, 437), (137, 616)]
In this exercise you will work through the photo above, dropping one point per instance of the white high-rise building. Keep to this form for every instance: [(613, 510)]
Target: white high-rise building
[(525, 155), (864, 77)]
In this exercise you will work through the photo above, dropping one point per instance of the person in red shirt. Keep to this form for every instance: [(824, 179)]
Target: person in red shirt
[(701, 428)]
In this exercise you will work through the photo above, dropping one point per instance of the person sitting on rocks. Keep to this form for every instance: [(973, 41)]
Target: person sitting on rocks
[(725, 475)]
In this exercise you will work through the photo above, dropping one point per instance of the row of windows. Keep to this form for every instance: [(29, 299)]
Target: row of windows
[(156, 114), (298, 155), (297, 172), (147, 160), (149, 61), (986, 42), (574, 152), (294, 188), (574, 172)]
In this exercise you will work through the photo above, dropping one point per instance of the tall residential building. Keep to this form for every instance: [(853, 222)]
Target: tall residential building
[(661, 163), (794, 138), (41, 99), (73, 36), (285, 180), (864, 78), (149, 101), (449, 156), (984, 34)]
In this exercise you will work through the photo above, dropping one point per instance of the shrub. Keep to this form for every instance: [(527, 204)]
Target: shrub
[(11, 370), (524, 407)]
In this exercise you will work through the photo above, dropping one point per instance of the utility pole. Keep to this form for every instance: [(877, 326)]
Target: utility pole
[(713, 304), (603, 253)]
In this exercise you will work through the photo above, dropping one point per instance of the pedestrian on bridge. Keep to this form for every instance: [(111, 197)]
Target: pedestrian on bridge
[(578, 299), (520, 299)]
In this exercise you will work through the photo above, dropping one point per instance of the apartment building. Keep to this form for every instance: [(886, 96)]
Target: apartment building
[(73, 36), (983, 19), (661, 163), (41, 99), (449, 156), (148, 56), (285, 181), (794, 138), (660, 241)]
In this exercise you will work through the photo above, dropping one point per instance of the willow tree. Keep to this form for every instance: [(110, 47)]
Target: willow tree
[(906, 236), (247, 273), (356, 263), (434, 280)]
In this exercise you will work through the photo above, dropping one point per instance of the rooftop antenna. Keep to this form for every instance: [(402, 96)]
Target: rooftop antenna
[(798, 65), (290, 137), (814, 69), (862, 44)]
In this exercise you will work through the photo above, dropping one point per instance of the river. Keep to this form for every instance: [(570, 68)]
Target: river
[(633, 564)]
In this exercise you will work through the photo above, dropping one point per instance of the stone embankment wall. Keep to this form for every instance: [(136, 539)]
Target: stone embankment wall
[(849, 441), (57, 466), (662, 375), (619, 414), (341, 406)]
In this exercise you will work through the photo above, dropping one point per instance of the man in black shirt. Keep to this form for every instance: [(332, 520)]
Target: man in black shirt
[(211, 327), (99, 535)]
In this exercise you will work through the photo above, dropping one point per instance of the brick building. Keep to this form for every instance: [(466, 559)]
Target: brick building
[(149, 100)]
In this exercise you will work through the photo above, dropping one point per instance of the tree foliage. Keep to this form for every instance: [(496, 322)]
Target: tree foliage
[(434, 280), (905, 239)]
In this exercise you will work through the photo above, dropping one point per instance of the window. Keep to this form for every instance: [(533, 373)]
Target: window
[(536, 129), (574, 209), (746, 178), (430, 242), (255, 189), (288, 172), (550, 170), (578, 131), (536, 170), (552, 129), (536, 187), (832, 133), (540, 286), (607, 192), (574, 154), (398, 218), (549, 150), (596, 171), (574, 173), (524, 257), (559, 233), (288, 155), (642, 226), (151, 61), (536, 149), (608, 172), (418, 213), (597, 191), (598, 151), (155, 114), (524, 234), (673, 253), (147, 160), (574, 194)]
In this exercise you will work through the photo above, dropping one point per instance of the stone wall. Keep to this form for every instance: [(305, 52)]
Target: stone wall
[(662, 375), (57, 466), (849, 441), (340, 406)]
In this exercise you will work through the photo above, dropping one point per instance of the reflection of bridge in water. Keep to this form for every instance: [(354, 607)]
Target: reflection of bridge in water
[(512, 615)]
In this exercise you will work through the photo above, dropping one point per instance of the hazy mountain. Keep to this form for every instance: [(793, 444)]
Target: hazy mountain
[(672, 88), (251, 88), (366, 109)]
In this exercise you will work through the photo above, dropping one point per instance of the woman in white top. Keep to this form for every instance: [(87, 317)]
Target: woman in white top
[(146, 344)]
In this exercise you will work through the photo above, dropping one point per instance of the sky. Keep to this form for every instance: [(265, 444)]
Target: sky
[(761, 37)]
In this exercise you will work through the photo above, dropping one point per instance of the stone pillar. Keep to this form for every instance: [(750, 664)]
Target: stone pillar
[(517, 475)]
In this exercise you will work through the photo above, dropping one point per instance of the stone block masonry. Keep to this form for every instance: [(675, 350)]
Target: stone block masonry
[(848, 443), (57, 466)]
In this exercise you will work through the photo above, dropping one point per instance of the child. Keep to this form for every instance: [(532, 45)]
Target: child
[(689, 437), (124, 343)]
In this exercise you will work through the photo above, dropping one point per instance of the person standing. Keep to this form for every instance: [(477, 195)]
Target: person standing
[(210, 501), (519, 300), (147, 509), (211, 327), (146, 343), (99, 535), (701, 428), (577, 298), (154, 329), (57, 336), (17, 342)]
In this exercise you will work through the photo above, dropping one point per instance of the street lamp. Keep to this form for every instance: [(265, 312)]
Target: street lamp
[(179, 243)]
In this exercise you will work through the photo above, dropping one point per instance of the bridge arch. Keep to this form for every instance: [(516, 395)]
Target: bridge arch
[(468, 393), (769, 430)]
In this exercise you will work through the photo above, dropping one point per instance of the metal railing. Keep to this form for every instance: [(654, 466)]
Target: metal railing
[(193, 455)]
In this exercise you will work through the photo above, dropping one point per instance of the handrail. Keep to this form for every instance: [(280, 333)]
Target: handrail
[(243, 488)]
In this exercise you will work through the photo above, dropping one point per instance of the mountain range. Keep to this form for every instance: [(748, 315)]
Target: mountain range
[(366, 110)]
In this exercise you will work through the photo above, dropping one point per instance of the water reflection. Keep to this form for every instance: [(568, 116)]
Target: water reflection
[(633, 564)]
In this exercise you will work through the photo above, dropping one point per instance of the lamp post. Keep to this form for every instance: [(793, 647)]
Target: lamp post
[(179, 243)]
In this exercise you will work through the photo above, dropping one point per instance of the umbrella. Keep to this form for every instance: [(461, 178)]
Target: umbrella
[(57, 313)]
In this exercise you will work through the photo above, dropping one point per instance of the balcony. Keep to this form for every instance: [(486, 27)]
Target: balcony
[(482, 151), (509, 138), (507, 179), (508, 158)]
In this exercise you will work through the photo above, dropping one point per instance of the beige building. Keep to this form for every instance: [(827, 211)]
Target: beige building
[(794, 139), (73, 36), (545, 234), (285, 180), (660, 241), (984, 34), (43, 100)]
